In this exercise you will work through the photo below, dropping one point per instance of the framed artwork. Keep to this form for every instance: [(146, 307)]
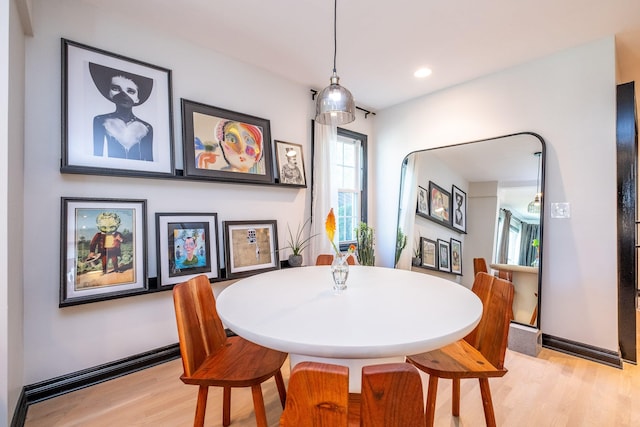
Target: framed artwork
[(103, 249), (187, 246), (456, 256), (423, 200), (444, 262), (250, 247), (439, 203), (290, 164), (117, 114), (459, 208), (224, 145), (429, 253)]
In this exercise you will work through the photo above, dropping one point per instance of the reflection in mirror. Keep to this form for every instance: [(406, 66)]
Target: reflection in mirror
[(477, 200)]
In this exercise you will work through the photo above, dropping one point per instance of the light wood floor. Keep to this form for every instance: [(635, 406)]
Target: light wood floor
[(553, 389)]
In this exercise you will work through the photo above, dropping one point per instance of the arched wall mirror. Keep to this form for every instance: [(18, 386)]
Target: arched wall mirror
[(481, 199)]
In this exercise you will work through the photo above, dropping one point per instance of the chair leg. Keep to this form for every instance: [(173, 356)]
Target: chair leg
[(431, 400), (282, 390), (455, 397), (226, 406), (489, 415), (201, 406), (258, 406)]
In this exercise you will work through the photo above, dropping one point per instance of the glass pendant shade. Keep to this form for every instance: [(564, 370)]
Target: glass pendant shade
[(534, 206), (335, 104)]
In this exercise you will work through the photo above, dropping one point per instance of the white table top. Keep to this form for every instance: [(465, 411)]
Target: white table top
[(383, 312)]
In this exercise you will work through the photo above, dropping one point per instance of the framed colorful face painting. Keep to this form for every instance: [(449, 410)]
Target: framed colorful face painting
[(187, 246), (224, 145), (117, 114), (103, 249), (250, 247), (439, 203)]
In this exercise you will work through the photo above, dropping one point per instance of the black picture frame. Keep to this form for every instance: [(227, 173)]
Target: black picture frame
[(290, 164), (439, 204), (459, 209), (444, 256), (176, 262), (456, 256), (103, 249), (251, 247), (204, 127), (137, 140), (422, 205), (429, 253)]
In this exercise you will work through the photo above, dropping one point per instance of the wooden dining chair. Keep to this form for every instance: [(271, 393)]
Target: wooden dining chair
[(327, 259), (479, 265), (391, 396), (479, 355), (318, 395), (210, 358)]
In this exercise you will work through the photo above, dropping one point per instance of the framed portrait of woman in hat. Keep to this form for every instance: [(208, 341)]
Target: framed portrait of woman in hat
[(117, 116)]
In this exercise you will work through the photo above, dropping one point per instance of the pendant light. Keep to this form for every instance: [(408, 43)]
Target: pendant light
[(534, 206), (335, 104)]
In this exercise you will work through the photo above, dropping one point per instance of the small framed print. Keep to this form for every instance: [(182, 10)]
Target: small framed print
[(103, 250), (290, 164), (456, 256), (429, 253), (439, 203), (187, 246), (423, 200), (117, 114), (459, 208), (444, 262), (223, 145), (250, 247)]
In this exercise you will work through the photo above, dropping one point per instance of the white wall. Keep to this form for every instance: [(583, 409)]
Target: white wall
[(569, 99), (11, 180), (60, 341)]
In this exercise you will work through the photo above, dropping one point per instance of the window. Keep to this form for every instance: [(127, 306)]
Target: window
[(351, 172), (513, 253)]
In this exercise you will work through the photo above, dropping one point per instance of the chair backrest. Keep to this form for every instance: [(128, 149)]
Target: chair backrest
[(317, 395), (324, 259), (479, 265), (391, 396), (327, 259), (491, 335), (200, 330)]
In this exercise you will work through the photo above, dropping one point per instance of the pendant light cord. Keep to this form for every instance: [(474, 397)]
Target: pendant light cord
[(335, 33)]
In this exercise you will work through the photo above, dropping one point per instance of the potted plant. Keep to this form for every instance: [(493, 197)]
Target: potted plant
[(365, 240), (297, 243), (401, 243), (416, 260)]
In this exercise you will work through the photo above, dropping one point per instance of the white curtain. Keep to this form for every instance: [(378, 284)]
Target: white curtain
[(407, 211), (324, 193)]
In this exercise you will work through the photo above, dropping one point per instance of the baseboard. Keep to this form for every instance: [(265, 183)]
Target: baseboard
[(77, 380), (584, 351)]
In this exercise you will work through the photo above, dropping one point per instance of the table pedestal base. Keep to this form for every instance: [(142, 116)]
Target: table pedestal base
[(354, 365)]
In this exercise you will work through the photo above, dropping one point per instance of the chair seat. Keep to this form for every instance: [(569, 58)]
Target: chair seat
[(234, 365), (457, 360)]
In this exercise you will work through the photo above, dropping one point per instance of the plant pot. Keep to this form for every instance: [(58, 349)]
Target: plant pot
[(295, 260), (416, 261)]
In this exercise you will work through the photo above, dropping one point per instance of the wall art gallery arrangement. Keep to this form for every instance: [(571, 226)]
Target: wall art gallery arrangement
[(117, 120)]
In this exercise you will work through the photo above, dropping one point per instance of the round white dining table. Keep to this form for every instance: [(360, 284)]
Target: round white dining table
[(382, 316)]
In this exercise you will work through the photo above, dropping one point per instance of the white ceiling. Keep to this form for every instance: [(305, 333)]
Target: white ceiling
[(381, 43)]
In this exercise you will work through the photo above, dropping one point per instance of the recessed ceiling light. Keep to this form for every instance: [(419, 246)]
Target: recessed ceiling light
[(422, 72)]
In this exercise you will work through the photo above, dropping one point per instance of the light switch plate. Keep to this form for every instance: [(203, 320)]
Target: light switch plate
[(560, 210)]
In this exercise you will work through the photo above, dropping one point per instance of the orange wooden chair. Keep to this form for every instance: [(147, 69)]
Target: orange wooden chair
[(327, 259), (479, 355), (319, 395), (479, 265), (210, 358)]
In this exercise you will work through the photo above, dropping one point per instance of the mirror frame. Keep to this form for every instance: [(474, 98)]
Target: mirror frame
[(543, 151)]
